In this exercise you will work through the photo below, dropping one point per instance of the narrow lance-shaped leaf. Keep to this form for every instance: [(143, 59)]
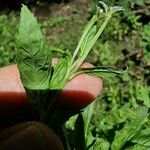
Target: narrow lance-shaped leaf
[(33, 55), (86, 30), (90, 35), (87, 40), (100, 71), (87, 115)]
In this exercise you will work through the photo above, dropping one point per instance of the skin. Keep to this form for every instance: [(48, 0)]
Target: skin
[(14, 106), (78, 93), (29, 136)]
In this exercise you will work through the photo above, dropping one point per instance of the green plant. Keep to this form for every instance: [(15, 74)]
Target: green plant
[(8, 35), (40, 79), (121, 45)]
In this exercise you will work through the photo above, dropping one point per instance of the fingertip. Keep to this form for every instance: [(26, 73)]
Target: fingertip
[(86, 83), (81, 91), (11, 89)]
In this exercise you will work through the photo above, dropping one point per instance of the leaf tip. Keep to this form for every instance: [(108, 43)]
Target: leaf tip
[(24, 6)]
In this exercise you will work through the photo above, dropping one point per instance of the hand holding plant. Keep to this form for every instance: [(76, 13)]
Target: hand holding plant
[(43, 82)]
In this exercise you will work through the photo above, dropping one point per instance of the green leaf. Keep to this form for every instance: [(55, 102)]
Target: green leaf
[(91, 34), (87, 116), (142, 94), (33, 55), (56, 49), (138, 147), (86, 30), (87, 40), (101, 144), (131, 128), (100, 71), (29, 30), (143, 138), (60, 74), (71, 122)]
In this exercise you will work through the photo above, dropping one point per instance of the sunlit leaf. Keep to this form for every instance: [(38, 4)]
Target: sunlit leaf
[(33, 55)]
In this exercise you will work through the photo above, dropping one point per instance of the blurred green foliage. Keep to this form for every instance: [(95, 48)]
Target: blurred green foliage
[(121, 118), (8, 31)]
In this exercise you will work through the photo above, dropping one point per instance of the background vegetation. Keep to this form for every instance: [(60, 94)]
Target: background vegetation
[(121, 119)]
